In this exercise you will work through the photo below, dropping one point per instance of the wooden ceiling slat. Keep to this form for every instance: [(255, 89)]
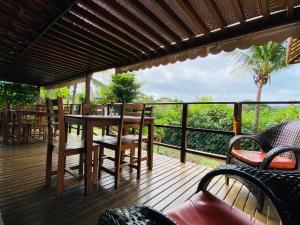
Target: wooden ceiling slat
[(77, 46), (83, 24), (138, 6), (52, 60), (238, 11), (85, 44), (47, 69), (134, 19), (63, 55), (194, 17), (49, 66), (212, 7), (110, 30), (107, 49), (117, 22), (172, 16), (64, 52), (56, 44)]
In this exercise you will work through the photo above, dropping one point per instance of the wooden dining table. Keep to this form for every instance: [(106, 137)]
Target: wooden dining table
[(88, 122)]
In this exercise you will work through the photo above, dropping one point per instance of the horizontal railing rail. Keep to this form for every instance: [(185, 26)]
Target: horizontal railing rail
[(200, 140)]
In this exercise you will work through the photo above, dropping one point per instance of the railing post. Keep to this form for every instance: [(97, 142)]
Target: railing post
[(237, 121), (184, 132)]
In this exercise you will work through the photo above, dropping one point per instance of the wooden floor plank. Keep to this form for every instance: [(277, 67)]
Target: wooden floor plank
[(25, 200)]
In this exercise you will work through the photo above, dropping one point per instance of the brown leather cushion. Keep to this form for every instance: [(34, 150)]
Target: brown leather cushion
[(255, 158), (206, 209)]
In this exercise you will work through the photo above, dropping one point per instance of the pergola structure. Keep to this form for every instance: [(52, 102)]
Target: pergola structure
[(51, 41)]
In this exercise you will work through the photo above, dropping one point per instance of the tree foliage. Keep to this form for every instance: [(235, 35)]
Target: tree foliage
[(217, 117), (263, 61), (123, 87), (17, 93), (64, 92)]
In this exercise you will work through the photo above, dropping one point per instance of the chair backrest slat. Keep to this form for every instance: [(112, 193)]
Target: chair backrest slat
[(55, 115), (93, 109), (136, 123)]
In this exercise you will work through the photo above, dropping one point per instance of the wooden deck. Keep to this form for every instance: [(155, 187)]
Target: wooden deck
[(25, 200)]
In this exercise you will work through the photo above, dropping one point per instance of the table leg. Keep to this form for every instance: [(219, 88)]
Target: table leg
[(88, 158), (5, 127), (150, 145)]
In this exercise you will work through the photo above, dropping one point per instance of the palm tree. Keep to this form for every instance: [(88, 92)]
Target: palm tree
[(263, 61)]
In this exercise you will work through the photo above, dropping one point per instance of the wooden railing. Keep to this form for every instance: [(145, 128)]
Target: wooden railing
[(184, 131)]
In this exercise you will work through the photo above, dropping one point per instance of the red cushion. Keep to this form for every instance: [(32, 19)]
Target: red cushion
[(255, 158), (206, 209)]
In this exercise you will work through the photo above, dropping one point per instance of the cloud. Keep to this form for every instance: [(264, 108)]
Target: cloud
[(216, 76)]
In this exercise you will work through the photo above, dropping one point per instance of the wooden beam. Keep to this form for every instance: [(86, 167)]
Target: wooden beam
[(142, 25), (290, 7), (236, 5), (213, 9), (117, 22), (264, 9), (194, 17), (87, 26), (173, 17), (88, 88), (110, 29), (140, 7)]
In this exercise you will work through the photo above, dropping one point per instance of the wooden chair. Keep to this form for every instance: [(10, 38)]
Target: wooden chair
[(19, 124), (94, 109), (55, 114), (119, 144), (271, 154), (39, 122)]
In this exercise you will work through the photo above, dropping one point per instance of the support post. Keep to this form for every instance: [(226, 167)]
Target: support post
[(184, 132), (237, 121), (88, 79)]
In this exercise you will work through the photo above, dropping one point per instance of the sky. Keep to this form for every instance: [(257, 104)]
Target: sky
[(215, 76)]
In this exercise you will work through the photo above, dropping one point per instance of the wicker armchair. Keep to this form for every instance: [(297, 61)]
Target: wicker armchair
[(281, 187), (279, 147), (271, 142)]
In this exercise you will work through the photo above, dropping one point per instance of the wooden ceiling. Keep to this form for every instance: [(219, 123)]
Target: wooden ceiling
[(49, 41)]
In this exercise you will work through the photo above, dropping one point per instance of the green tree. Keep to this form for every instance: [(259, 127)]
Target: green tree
[(17, 93), (263, 61), (123, 87), (64, 92)]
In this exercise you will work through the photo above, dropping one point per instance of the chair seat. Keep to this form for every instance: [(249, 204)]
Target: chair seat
[(112, 141), (255, 158), (73, 144), (132, 138), (204, 208), (98, 138)]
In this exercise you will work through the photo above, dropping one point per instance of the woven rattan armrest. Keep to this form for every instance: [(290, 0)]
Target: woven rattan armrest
[(237, 138), (277, 151)]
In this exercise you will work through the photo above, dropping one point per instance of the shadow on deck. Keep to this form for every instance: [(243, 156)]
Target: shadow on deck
[(25, 200)]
